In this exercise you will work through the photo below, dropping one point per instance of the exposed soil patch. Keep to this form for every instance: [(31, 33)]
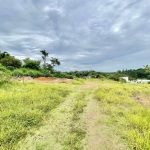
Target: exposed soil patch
[(142, 99), (99, 136), (44, 79), (23, 78), (92, 84), (52, 79)]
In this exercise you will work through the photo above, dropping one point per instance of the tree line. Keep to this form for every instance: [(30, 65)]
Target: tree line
[(11, 62), (38, 68), (29, 67)]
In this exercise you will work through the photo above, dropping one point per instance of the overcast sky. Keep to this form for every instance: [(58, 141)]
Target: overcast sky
[(96, 35)]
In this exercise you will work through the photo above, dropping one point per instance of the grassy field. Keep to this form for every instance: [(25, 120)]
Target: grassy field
[(82, 115), (24, 106)]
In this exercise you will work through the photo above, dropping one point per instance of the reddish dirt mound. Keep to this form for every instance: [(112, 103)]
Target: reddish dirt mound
[(45, 79), (51, 79)]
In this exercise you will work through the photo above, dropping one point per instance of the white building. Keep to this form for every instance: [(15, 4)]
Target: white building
[(142, 81), (125, 78)]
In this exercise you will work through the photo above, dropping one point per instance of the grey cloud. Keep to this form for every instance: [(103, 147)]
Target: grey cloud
[(84, 35)]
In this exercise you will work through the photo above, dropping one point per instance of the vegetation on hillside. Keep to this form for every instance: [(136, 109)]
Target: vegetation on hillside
[(38, 68), (14, 67)]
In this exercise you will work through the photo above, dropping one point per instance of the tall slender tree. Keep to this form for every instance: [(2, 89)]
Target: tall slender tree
[(44, 55)]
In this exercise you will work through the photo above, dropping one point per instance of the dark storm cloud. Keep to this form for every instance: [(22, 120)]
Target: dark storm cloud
[(85, 35)]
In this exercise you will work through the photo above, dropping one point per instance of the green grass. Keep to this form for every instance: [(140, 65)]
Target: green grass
[(78, 81), (24, 106), (76, 133), (28, 107), (128, 117)]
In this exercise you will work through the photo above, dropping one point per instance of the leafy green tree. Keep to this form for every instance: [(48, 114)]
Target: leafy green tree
[(32, 64), (3, 55), (44, 55), (116, 76), (11, 61), (49, 67), (54, 62)]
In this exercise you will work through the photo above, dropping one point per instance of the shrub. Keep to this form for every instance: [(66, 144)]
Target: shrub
[(17, 73), (11, 61), (4, 77), (2, 68)]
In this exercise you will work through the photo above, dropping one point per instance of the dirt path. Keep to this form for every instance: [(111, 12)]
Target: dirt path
[(67, 123), (99, 135), (91, 117)]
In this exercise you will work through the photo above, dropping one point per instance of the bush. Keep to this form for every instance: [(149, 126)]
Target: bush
[(11, 68), (2, 68), (4, 77), (69, 76), (11, 61), (17, 73), (32, 64), (122, 80)]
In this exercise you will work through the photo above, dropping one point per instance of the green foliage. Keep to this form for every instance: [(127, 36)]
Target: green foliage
[(135, 73), (77, 133), (11, 68), (11, 61), (49, 67), (27, 72), (122, 80), (59, 74), (5, 75), (33, 67), (78, 81), (24, 107), (32, 64), (87, 74), (44, 55), (3, 55), (47, 73), (115, 76), (54, 62), (17, 73), (3, 68)]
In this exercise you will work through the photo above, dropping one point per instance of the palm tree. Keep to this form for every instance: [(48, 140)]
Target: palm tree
[(44, 55)]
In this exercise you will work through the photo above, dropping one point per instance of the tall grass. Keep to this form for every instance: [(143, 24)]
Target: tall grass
[(24, 106), (76, 133), (127, 116)]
